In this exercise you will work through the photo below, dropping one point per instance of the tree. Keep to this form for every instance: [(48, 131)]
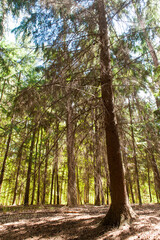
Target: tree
[(119, 210)]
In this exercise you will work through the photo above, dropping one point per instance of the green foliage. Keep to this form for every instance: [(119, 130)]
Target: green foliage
[(56, 59)]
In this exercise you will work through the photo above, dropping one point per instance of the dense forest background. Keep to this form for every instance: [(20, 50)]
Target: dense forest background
[(53, 147)]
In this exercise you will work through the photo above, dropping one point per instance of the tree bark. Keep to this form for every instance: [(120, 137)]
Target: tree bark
[(156, 176), (135, 156), (45, 173), (120, 209), (39, 170), (53, 173), (72, 191), (35, 171), (149, 181), (27, 190), (97, 161), (18, 160), (5, 156)]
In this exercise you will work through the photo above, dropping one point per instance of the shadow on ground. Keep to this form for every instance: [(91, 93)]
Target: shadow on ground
[(77, 223)]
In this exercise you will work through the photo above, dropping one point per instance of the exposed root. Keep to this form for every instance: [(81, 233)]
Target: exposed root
[(116, 217)]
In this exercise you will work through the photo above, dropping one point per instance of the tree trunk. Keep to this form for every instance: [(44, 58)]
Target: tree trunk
[(86, 179), (35, 171), (39, 169), (53, 173), (45, 173), (135, 156), (149, 181), (128, 177), (156, 176), (72, 192), (5, 157), (18, 160), (56, 162), (96, 161), (119, 210), (27, 190)]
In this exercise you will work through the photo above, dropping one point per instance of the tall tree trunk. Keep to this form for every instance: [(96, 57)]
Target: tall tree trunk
[(39, 169), (35, 171), (72, 192), (86, 179), (53, 174), (120, 209), (45, 173), (78, 190), (18, 160), (97, 161), (5, 156), (106, 174), (57, 162), (27, 190), (135, 156), (128, 177), (156, 176), (149, 181)]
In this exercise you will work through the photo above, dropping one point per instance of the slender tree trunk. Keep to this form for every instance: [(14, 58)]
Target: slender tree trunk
[(18, 160), (35, 171), (53, 174), (78, 190), (5, 157), (97, 162), (156, 176), (86, 179), (61, 183), (45, 173), (39, 169), (57, 178), (102, 193), (119, 210), (57, 161), (135, 156), (128, 177), (149, 181), (72, 192), (27, 190)]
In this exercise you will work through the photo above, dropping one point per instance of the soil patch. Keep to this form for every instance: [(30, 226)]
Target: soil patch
[(64, 223)]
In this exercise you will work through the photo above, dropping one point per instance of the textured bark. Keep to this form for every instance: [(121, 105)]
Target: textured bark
[(107, 174), (97, 161), (45, 174), (27, 189), (39, 169), (119, 210), (156, 176), (78, 190), (5, 157), (56, 162), (128, 177), (18, 160), (135, 156), (35, 171), (72, 191), (53, 174), (86, 179)]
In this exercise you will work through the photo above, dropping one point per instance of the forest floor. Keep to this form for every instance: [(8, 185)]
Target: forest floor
[(60, 223)]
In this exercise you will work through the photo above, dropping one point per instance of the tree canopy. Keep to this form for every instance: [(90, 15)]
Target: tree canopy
[(80, 90)]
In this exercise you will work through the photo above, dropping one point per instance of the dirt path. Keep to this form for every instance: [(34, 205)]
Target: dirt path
[(63, 223)]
